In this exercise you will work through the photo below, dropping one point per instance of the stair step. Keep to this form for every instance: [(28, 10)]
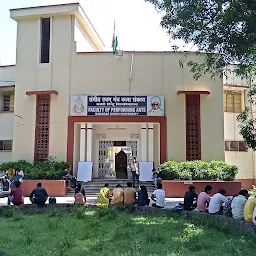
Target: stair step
[(93, 188)]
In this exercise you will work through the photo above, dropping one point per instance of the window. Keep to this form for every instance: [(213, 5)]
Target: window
[(45, 40), (232, 101), (7, 102), (236, 146), (5, 145)]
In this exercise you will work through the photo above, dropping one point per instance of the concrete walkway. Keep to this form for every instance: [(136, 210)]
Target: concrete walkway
[(170, 202)]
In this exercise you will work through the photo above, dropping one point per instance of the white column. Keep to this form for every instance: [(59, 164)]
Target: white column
[(89, 143), (143, 141), (82, 142), (150, 142)]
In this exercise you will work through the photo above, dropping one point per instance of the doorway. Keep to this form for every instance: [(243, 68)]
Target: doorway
[(121, 165), (108, 150)]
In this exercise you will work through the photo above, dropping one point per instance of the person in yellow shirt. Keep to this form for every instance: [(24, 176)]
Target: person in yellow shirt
[(104, 196), (248, 209)]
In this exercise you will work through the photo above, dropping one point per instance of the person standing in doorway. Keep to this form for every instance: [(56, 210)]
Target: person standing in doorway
[(135, 172)]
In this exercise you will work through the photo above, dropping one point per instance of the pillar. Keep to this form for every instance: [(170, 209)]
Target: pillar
[(143, 146), (82, 142), (89, 143), (150, 143)]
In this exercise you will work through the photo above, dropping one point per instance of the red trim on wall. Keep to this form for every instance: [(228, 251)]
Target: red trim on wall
[(117, 119), (193, 143), (47, 92), (188, 92)]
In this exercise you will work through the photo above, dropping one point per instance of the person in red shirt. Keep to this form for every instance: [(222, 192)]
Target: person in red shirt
[(16, 196)]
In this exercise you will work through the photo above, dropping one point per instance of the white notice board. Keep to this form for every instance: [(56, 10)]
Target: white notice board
[(84, 172), (146, 171)]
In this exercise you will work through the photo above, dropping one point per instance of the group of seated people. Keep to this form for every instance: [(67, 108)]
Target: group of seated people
[(127, 196), (38, 196), (12, 175), (239, 206)]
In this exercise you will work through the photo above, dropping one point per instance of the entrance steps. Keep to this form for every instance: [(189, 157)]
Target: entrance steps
[(92, 188)]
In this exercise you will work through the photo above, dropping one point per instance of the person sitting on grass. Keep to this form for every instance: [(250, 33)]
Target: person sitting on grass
[(129, 194), (238, 203), (80, 197), (189, 199), (249, 207), (217, 202), (204, 199), (159, 197), (117, 195), (104, 196), (227, 209), (143, 199), (16, 196), (39, 195)]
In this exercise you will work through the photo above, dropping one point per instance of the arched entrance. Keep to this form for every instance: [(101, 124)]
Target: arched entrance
[(121, 165)]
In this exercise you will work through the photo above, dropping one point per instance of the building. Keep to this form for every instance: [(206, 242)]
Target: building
[(236, 151), (67, 97)]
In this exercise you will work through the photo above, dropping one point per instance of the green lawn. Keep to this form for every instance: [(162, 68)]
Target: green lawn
[(84, 232)]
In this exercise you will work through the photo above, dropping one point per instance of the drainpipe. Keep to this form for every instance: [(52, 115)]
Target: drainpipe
[(130, 75)]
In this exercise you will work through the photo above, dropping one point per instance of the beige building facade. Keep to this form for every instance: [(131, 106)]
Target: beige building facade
[(71, 99)]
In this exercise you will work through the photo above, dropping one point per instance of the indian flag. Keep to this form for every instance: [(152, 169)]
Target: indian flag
[(114, 40)]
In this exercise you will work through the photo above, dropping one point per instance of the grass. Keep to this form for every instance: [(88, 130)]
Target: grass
[(89, 232)]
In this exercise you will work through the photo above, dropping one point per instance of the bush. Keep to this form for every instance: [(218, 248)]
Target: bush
[(47, 170), (198, 170)]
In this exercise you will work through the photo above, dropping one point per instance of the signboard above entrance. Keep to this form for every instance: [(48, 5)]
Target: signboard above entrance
[(88, 105)]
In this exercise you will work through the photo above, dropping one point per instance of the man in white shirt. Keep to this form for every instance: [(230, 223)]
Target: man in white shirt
[(217, 201), (159, 197), (238, 204)]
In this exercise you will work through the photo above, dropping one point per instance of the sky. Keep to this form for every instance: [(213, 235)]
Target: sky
[(137, 25)]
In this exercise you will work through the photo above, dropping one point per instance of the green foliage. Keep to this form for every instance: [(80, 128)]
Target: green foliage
[(247, 122), (111, 232), (224, 27), (218, 26), (47, 170), (198, 170)]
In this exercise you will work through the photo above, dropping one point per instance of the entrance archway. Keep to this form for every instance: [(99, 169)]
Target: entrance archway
[(121, 165)]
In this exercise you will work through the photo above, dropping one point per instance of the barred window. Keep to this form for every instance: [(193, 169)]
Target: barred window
[(236, 146), (232, 101)]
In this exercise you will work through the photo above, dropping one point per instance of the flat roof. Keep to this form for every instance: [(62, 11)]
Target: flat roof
[(60, 9), (43, 6)]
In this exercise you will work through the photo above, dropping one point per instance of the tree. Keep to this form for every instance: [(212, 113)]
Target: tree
[(227, 27)]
